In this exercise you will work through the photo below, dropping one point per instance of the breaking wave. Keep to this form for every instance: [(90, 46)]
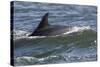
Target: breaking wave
[(18, 34), (74, 46)]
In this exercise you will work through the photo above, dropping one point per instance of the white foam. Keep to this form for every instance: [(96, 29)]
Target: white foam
[(31, 37), (30, 59), (77, 29), (25, 60), (20, 33)]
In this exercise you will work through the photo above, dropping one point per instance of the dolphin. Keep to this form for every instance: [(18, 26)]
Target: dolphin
[(46, 29)]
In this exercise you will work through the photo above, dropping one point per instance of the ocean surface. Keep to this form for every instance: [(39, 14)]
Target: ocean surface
[(77, 45)]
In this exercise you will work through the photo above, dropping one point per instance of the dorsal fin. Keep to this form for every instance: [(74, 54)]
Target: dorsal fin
[(44, 22)]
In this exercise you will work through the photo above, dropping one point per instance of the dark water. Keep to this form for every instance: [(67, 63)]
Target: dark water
[(76, 45)]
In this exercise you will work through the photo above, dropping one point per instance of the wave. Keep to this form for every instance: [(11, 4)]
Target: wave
[(32, 60), (81, 34), (25, 60), (77, 29), (39, 46), (77, 45), (24, 34)]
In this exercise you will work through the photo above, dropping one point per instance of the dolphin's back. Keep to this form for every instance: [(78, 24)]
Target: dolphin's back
[(45, 29), (52, 30)]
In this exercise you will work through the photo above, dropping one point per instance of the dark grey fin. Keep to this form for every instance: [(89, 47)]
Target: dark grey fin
[(43, 24)]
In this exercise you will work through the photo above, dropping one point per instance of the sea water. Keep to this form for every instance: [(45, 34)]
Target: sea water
[(76, 45)]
